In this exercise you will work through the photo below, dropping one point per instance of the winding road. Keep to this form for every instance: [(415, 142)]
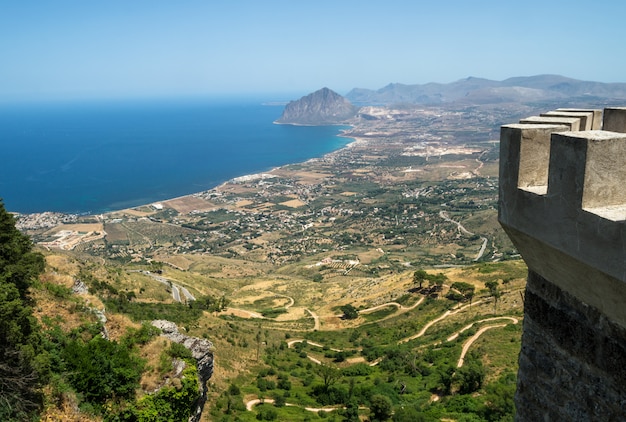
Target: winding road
[(462, 229)]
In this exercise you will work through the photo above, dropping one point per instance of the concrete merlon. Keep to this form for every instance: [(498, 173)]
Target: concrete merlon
[(565, 190), (596, 123), (615, 119), (525, 149), (587, 169), (586, 117), (572, 122)]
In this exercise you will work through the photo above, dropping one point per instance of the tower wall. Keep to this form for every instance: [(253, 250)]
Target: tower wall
[(563, 204)]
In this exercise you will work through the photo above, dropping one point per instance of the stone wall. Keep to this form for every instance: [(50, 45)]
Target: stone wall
[(563, 204)]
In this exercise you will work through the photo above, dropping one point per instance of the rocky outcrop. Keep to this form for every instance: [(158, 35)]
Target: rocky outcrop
[(323, 107), (201, 350)]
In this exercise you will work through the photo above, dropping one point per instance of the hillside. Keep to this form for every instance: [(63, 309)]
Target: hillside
[(322, 107), (374, 278), (484, 91)]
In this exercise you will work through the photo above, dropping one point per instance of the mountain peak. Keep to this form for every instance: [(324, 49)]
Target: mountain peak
[(322, 107)]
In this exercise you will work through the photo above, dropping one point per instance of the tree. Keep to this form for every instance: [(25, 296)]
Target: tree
[(329, 374), (349, 312), (101, 369), (419, 276), (437, 281), (23, 361), (466, 289), (470, 376), (381, 407), (494, 292)]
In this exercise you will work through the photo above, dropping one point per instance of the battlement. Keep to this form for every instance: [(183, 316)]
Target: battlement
[(565, 189), (563, 204)]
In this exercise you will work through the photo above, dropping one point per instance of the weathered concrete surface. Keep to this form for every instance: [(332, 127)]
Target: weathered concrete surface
[(586, 117), (572, 122), (615, 119), (563, 204), (596, 123), (567, 220)]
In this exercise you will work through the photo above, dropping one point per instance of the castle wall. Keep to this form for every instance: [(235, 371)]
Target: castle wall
[(563, 204)]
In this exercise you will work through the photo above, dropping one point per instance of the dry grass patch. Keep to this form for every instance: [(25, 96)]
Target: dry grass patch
[(151, 352), (244, 203), (118, 324), (294, 203), (62, 264), (187, 204)]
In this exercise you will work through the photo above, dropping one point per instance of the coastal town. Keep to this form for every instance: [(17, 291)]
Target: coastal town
[(376, 202)]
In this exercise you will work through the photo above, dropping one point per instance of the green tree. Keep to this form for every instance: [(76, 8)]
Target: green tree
[(494, 292), (23, 362), (470, 376), (419, 277), (349, 312), (102, 369), (499, 398), (381, 407), (329, 374), (466, 289), (436, 281)]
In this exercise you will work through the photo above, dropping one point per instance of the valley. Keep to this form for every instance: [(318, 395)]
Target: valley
[(326, 284)]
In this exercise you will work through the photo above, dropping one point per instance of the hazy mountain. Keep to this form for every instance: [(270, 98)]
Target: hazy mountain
[(323, 107), (485, 91)]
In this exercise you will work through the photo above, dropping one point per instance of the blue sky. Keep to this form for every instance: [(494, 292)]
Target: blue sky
[(61, 49)]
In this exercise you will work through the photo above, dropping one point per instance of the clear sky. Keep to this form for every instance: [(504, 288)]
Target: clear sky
[(158, 48)]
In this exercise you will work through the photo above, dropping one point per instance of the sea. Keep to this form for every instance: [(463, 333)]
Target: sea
[(100, 156)]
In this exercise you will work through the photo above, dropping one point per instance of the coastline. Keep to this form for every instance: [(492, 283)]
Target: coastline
[(252, 176), (54, 219)]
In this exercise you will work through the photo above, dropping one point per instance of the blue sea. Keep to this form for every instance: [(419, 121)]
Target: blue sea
[(95, 157)]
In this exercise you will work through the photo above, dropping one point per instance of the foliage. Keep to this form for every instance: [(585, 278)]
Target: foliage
[(273, 312), (100, 369), (494, 292), (435, 281), (210, 303), (349, 311), (499, 398), (381, 407), (140, 335), (142, 311), (169, 404), (23, 362), (419, 276), (470, 377)]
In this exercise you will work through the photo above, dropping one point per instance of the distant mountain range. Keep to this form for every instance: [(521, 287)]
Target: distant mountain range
[(485, 91), (326, 107)]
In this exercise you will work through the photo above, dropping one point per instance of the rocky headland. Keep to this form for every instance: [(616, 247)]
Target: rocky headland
[(322, 107)]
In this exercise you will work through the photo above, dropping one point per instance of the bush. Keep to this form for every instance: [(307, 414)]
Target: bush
[(102, 369), (349, 311), (170, 403), (267, 414)]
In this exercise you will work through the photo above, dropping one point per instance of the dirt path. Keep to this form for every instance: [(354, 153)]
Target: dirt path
[(396, 304), (434, 321), (469, 342), (241, 313), (462, 229), (255, 402), (316, 319), (467, 327)]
